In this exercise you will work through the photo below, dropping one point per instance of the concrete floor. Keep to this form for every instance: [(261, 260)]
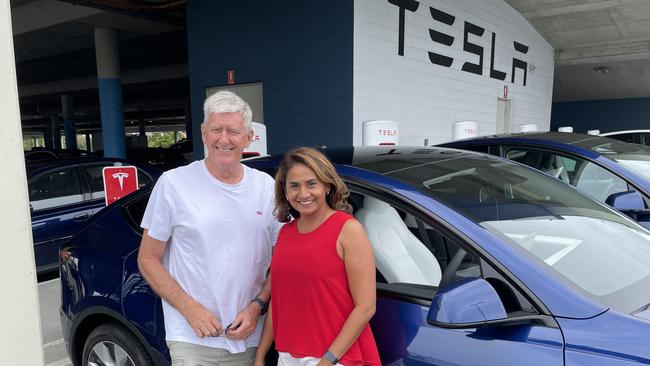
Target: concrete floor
[(53, 347)]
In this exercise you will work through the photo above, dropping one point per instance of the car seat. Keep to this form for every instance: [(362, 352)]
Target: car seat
[(399, 255)]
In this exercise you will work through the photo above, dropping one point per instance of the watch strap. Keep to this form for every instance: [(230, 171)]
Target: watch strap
[(330, 357), (261, 303)]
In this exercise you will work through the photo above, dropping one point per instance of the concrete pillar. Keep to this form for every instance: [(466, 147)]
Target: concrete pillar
[(20, 339), (68, 123), (110, 92), (49, 137), (142, 126), (56, 132)]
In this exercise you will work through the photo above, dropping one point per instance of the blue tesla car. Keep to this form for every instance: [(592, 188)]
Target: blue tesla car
[(480, 261), (608, 170), (63, 195)]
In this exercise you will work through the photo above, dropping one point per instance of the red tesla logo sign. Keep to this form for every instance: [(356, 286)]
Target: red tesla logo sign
[(119, 181)]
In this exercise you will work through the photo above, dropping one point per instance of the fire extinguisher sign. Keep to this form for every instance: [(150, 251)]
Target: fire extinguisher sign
[(119, 181)]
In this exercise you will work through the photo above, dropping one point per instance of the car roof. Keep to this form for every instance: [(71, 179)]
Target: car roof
[(612, 133), (562, 137), (362, 155), (37, 167)]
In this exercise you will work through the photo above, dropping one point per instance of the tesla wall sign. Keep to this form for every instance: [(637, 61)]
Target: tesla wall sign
[(443, 21)]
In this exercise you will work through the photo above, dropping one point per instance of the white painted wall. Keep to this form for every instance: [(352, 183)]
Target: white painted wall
[(426, 98), (20, 339)]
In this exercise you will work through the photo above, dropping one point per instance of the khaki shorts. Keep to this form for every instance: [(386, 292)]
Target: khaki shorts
[(188, 354)]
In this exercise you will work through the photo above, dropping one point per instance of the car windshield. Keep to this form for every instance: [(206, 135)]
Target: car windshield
[(632, 156), (582, 242)]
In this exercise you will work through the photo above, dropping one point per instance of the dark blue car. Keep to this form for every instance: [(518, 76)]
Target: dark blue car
[(608, 170), (480, 261), (63, 195)]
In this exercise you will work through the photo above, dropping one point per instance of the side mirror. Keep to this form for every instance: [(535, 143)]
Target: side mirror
[(468, 303), (628, 200)]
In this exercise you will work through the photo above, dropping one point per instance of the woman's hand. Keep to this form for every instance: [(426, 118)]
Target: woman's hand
[(258, 361)]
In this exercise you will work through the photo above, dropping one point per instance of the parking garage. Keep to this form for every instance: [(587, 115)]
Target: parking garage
[(112, 77)]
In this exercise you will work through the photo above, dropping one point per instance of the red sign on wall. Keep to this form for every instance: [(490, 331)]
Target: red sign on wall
[(119, 181), (231, 77)]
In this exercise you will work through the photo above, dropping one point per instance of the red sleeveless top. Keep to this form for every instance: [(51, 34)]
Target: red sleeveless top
[(310, 294)]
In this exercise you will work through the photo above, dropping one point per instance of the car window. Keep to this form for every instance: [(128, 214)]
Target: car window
[(135, 211), (599, 183), (54, 189), (411, 253), (588, 178), (626, 137), (407, 250), (644, 139), (477, 148), (548, 162), (95, 179)]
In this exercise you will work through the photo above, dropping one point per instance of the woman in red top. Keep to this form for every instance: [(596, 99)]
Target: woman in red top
[(322, 271)]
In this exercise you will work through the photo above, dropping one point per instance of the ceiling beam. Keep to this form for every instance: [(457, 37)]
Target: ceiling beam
[(553, 11), (603, 52), (175, 71), (41, 14)]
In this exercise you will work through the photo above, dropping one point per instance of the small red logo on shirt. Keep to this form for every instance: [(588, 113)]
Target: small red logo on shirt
[(259, 213)]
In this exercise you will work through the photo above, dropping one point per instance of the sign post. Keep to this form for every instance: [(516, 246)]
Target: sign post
[(119, 181)]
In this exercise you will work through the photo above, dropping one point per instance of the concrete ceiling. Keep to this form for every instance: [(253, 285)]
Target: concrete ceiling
[(602, 47), (54, 50), (602, 51)]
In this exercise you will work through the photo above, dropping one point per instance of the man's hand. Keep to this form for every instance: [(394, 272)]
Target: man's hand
[(202, 321), (247, 320)]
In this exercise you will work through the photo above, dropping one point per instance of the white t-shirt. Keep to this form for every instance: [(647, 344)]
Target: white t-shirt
[(219, 239)]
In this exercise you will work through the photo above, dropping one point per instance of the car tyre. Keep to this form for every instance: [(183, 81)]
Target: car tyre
[(112, 344)]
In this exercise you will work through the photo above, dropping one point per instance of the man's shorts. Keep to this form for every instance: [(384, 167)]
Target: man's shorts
[(188, 354)]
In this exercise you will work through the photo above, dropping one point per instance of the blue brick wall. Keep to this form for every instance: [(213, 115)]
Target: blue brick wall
[(301, 50), (603, 115)]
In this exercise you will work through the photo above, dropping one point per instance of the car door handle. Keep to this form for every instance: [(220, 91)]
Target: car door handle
[(82, 217)]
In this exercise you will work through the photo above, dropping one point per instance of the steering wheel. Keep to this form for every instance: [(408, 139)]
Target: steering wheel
[(449, 275)]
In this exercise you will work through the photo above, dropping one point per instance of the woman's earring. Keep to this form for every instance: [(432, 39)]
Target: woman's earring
[(328, 193)]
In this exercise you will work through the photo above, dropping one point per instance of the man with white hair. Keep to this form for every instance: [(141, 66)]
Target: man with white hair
[(208, 234)]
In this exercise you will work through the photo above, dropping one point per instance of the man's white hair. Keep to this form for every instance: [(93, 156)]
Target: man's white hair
[(225, 101)]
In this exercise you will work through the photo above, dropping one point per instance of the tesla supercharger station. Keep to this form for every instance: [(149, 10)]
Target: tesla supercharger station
[(257, 146), (565, 129), (380, 132), (528, 127), (464, 129)]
